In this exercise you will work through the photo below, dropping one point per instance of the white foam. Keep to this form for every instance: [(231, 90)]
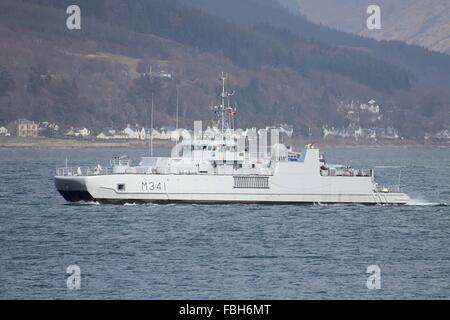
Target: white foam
[(89, 203), (418, 202), (388, 167)]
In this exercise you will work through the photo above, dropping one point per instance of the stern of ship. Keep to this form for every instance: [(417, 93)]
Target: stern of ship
[(73, 189)]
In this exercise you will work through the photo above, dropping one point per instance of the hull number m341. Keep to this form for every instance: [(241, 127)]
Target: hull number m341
[(153, 186)]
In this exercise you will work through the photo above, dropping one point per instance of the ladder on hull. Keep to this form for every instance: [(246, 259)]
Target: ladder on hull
[(379, 199)]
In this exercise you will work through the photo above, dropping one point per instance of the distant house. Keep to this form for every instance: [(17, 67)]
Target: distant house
[(111, 131), (138, 133), (287, 129), (372, 107), (48, 126), (330, 132), (130, 133), (142, 134), (26, 128), (165, 74), (4, 132), (152, 134), (441, 135), (112, 134), (159, 74), (105, 135), (165, 135), (84, 132), (357, 133), (177, 134), (389, 134), (78, 132), (70, 132), (102, 136)]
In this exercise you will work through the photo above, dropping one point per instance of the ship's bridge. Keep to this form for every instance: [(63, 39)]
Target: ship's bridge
[(218, 151)]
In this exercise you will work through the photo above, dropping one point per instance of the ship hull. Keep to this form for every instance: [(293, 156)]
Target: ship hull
[(213, 189)]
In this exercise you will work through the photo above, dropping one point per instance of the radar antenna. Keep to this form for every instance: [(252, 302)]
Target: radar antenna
[(225, 112)]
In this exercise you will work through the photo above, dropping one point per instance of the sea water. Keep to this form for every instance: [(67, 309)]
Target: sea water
[(224, 251)]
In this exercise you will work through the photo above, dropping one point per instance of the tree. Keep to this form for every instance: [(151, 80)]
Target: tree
[(7, 83)]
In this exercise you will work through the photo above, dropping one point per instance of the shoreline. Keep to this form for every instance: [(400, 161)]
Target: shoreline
[(57, 143), (345, 143)]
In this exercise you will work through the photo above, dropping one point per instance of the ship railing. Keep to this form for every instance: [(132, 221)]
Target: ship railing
[(345, 172), (388, 189), (83, 171), (123, 162)]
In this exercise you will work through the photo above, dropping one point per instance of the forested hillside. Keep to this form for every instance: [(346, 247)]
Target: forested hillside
[(427, 66), (106, 73)]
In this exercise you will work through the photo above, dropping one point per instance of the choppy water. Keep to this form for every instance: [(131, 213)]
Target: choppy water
[(234, 251)]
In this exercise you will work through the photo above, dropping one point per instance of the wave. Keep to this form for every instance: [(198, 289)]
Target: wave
[(425, 203), (388, 167), (133, 204), (130, 204), (89, 203)]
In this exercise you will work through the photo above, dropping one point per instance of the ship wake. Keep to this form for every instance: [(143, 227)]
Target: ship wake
[(418, 202)]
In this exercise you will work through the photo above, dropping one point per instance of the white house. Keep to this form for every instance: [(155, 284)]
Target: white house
[(165, 74), (163, 135), (441, 135), (78, 132), (359, 133), (389, 133), (44, 126), (3, 131), (372, 107), (137, 133), (176, 135), (84, 132), (130, 133), (142, 134), (70, 132), (105, 135), (371, 134), (102, 136), (330, 132)]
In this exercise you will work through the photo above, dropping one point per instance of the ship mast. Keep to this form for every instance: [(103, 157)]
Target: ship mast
[(176, 121), (151, 129), (224, 111), (224, 96)]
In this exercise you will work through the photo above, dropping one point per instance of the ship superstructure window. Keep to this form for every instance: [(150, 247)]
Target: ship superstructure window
[(121, 187), (251, 182)]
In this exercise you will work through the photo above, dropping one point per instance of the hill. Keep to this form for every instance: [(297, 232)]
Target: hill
[(423, 23), (431, 67), (106, 73)]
